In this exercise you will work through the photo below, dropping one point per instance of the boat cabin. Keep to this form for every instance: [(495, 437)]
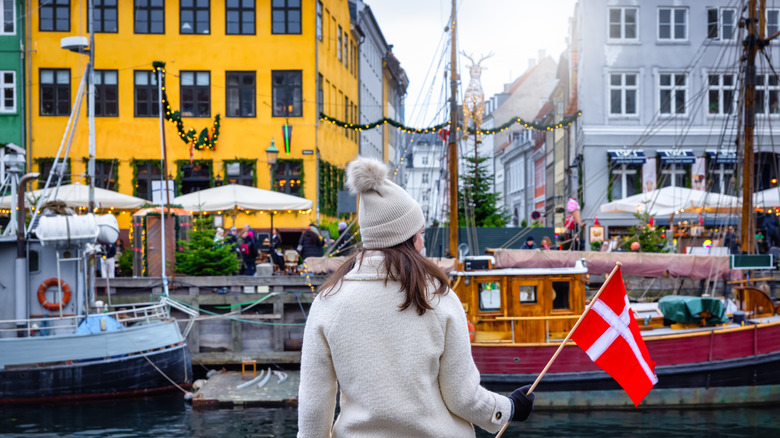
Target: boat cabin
[(519, 306)]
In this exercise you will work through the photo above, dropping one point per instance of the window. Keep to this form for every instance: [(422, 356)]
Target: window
[(287, 178), (104, 16), (623, 24), (147, 97), (772, 22), (721, 23), (8, 15), (145, 174), (721, 175), (7, 91), (527, 294), (767, 94), (346, 116), (286, 16), (195, 176), (240, 172), (671, 93), (54, 15), (240, 93), (319, 20), (55, 92), (624, 181), (287, 93), (194, 16), (240, 17), (106, 174), (673, 175), (338, 44), (195, 93), (561, 295), (149, 16), (623, 91), (489, 296), (722, 92), (345, 48), (424, 160), (320, 95), (425, 196), (106, 93), (672, 24), (45, 166)]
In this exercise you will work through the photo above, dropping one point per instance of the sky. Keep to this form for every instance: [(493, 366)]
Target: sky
[(513, 30)]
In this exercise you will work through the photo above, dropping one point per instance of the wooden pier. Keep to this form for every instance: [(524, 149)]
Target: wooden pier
[(221, 391)]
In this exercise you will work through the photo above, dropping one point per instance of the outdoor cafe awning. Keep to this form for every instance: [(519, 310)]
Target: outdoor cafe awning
[(627, 156)]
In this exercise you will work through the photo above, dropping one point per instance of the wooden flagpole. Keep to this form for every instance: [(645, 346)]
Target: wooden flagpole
[(560, 347)]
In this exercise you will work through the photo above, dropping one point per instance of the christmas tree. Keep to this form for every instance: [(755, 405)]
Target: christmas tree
[(201, 256)]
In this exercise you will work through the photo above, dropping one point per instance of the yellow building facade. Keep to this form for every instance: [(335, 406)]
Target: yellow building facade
[(259, 65)]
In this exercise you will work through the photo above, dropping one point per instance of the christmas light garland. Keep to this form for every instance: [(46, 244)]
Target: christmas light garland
[(518, 120), (201, 141)]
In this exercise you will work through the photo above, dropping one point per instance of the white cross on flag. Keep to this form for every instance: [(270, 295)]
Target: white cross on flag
[(610, 336)]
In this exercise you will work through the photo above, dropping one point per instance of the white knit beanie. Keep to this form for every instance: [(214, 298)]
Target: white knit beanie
[(387, 214)]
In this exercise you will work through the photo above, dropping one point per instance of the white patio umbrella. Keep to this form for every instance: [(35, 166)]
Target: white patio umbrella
[(767, 198), (77, 195), (671, 200), (234, 196)]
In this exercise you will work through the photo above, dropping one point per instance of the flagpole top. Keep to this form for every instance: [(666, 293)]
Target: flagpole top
[(618, 263)]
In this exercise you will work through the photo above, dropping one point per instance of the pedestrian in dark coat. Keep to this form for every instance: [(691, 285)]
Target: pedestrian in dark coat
[(310, 244)]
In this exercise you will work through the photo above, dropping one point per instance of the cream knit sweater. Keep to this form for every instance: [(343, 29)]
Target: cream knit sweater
[(400, 374)]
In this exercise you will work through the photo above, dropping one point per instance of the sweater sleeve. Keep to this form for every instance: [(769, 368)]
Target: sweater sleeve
[(318, 387), (459, 376)]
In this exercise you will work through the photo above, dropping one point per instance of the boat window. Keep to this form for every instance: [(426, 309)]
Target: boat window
[(560, 295), (489, 296), (34, 261), (527, 294)]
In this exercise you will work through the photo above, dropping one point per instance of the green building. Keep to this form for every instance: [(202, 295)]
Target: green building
[(12, 60)]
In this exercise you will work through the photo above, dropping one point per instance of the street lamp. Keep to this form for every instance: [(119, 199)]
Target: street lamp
[(271, 153)]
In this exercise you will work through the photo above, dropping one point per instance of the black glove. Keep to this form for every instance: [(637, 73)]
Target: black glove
[(522, 404)]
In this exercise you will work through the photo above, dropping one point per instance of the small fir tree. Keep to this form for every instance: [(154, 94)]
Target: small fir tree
[(483, 201), (201, 256), (650, 238)]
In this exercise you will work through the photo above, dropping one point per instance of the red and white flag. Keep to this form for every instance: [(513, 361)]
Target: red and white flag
[(610, 336)]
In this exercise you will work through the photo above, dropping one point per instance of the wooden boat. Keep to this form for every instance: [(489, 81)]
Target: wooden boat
[(520, 316)]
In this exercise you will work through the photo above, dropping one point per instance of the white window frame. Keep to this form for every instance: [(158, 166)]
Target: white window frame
[(721, 24), (623, 25), (3, 11), (720, 87), (723, 171), (776, 27), (623, 170), (623, 88), (672, 36), (764, 109), (5, 86), (674, 89), (669, 171)]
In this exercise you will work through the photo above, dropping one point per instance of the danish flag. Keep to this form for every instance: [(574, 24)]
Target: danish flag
[(610, 336)]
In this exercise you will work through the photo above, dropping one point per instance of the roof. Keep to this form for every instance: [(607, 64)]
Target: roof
[(545, 110), (571, 107)]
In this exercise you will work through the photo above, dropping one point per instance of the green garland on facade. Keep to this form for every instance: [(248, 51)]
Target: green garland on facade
[(43, 160), (519, 120), (179, 174), (201, 141), (331, 181), (252, 163), (109, 160), (134, 163)]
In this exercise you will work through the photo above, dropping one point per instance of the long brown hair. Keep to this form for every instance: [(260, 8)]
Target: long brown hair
[(405, 265)]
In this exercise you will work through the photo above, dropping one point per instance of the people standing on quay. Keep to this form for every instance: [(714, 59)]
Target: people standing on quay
[(388, 333), (249, 254), (219, 236), (529, 243), (108, 267), (311, 242)]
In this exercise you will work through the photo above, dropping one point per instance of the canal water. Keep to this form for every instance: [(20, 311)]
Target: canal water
[(169, 416)]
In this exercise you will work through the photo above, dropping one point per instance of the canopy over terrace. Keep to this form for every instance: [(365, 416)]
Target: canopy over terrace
[(674, 200), (234, 197), (76, 195)]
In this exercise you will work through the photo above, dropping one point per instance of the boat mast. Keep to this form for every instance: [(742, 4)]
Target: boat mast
[(453, 141), (91, 108)]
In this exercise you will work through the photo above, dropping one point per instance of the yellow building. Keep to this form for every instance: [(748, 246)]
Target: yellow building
[(257, 64)]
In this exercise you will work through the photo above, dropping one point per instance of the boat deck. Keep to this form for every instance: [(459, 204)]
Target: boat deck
[(220, 391)]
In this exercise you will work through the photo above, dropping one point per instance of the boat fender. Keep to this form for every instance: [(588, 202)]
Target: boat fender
[(281, 375), (198, 384), (472, 331), (251, 382), (211, 373), (42, 294), (266, 379)]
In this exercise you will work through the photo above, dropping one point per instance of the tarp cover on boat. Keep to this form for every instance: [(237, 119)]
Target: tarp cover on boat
[(692, 309), (92, 325), (696, 267)]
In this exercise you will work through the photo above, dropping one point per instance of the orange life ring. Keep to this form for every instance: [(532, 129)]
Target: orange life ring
[(42, 294), (472, 331)]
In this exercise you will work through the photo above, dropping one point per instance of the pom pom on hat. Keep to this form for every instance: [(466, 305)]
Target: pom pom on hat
[(386, 213)]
